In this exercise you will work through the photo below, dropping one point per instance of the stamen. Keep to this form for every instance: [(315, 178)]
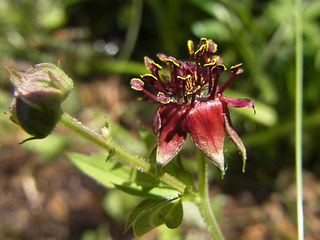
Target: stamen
[(150, 95), (197, 73), (226, 84), (216, 71), (162, 98), (211, 80), (190, 49), (205, 58), (176, 82), (137, 84)]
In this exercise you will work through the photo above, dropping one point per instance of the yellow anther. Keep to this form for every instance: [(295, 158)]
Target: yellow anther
[(174, 62), (236, 66), (190, 47)]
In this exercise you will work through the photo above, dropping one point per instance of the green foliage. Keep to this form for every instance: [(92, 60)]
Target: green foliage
[(111, 173), (28, 23), (106, 173), (157, 209), (151, 213)]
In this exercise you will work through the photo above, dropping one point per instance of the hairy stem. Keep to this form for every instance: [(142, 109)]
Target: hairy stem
[(113, 148), (204, 201)]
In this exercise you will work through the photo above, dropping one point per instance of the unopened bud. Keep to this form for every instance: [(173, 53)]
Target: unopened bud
[(38, 94)]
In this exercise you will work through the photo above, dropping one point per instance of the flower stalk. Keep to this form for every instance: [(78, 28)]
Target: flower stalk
[(130, 159), (203, 202)]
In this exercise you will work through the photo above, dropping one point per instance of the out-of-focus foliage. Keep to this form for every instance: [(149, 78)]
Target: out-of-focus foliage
[(26, 27), (262, 37), (95, 39)]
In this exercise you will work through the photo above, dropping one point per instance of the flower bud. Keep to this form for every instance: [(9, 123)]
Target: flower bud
[(38, 94)]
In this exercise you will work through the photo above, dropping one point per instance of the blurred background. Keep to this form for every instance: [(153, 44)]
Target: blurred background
[(101, 45)]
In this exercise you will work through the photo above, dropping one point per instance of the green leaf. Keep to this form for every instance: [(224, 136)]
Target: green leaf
[(149, 218), (154, 192), (151, 213), (107, 173), (146, 180), (172, 213), (142, 206), (113, 174)]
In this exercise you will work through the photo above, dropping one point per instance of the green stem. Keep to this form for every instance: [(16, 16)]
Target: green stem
[(299, 116), (204, 201), (130, 159)]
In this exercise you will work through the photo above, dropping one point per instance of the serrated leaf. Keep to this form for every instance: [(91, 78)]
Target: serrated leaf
[(149, 219), (142, 206), (107, 173), (146, 222), (172, 213), (151, 213)]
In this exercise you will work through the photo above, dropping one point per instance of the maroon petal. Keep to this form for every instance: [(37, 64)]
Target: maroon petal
[(232, 134), (170, 136), (238, 102), (205, 123)]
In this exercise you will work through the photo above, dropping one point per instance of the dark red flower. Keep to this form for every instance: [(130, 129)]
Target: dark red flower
[(192, 102)]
